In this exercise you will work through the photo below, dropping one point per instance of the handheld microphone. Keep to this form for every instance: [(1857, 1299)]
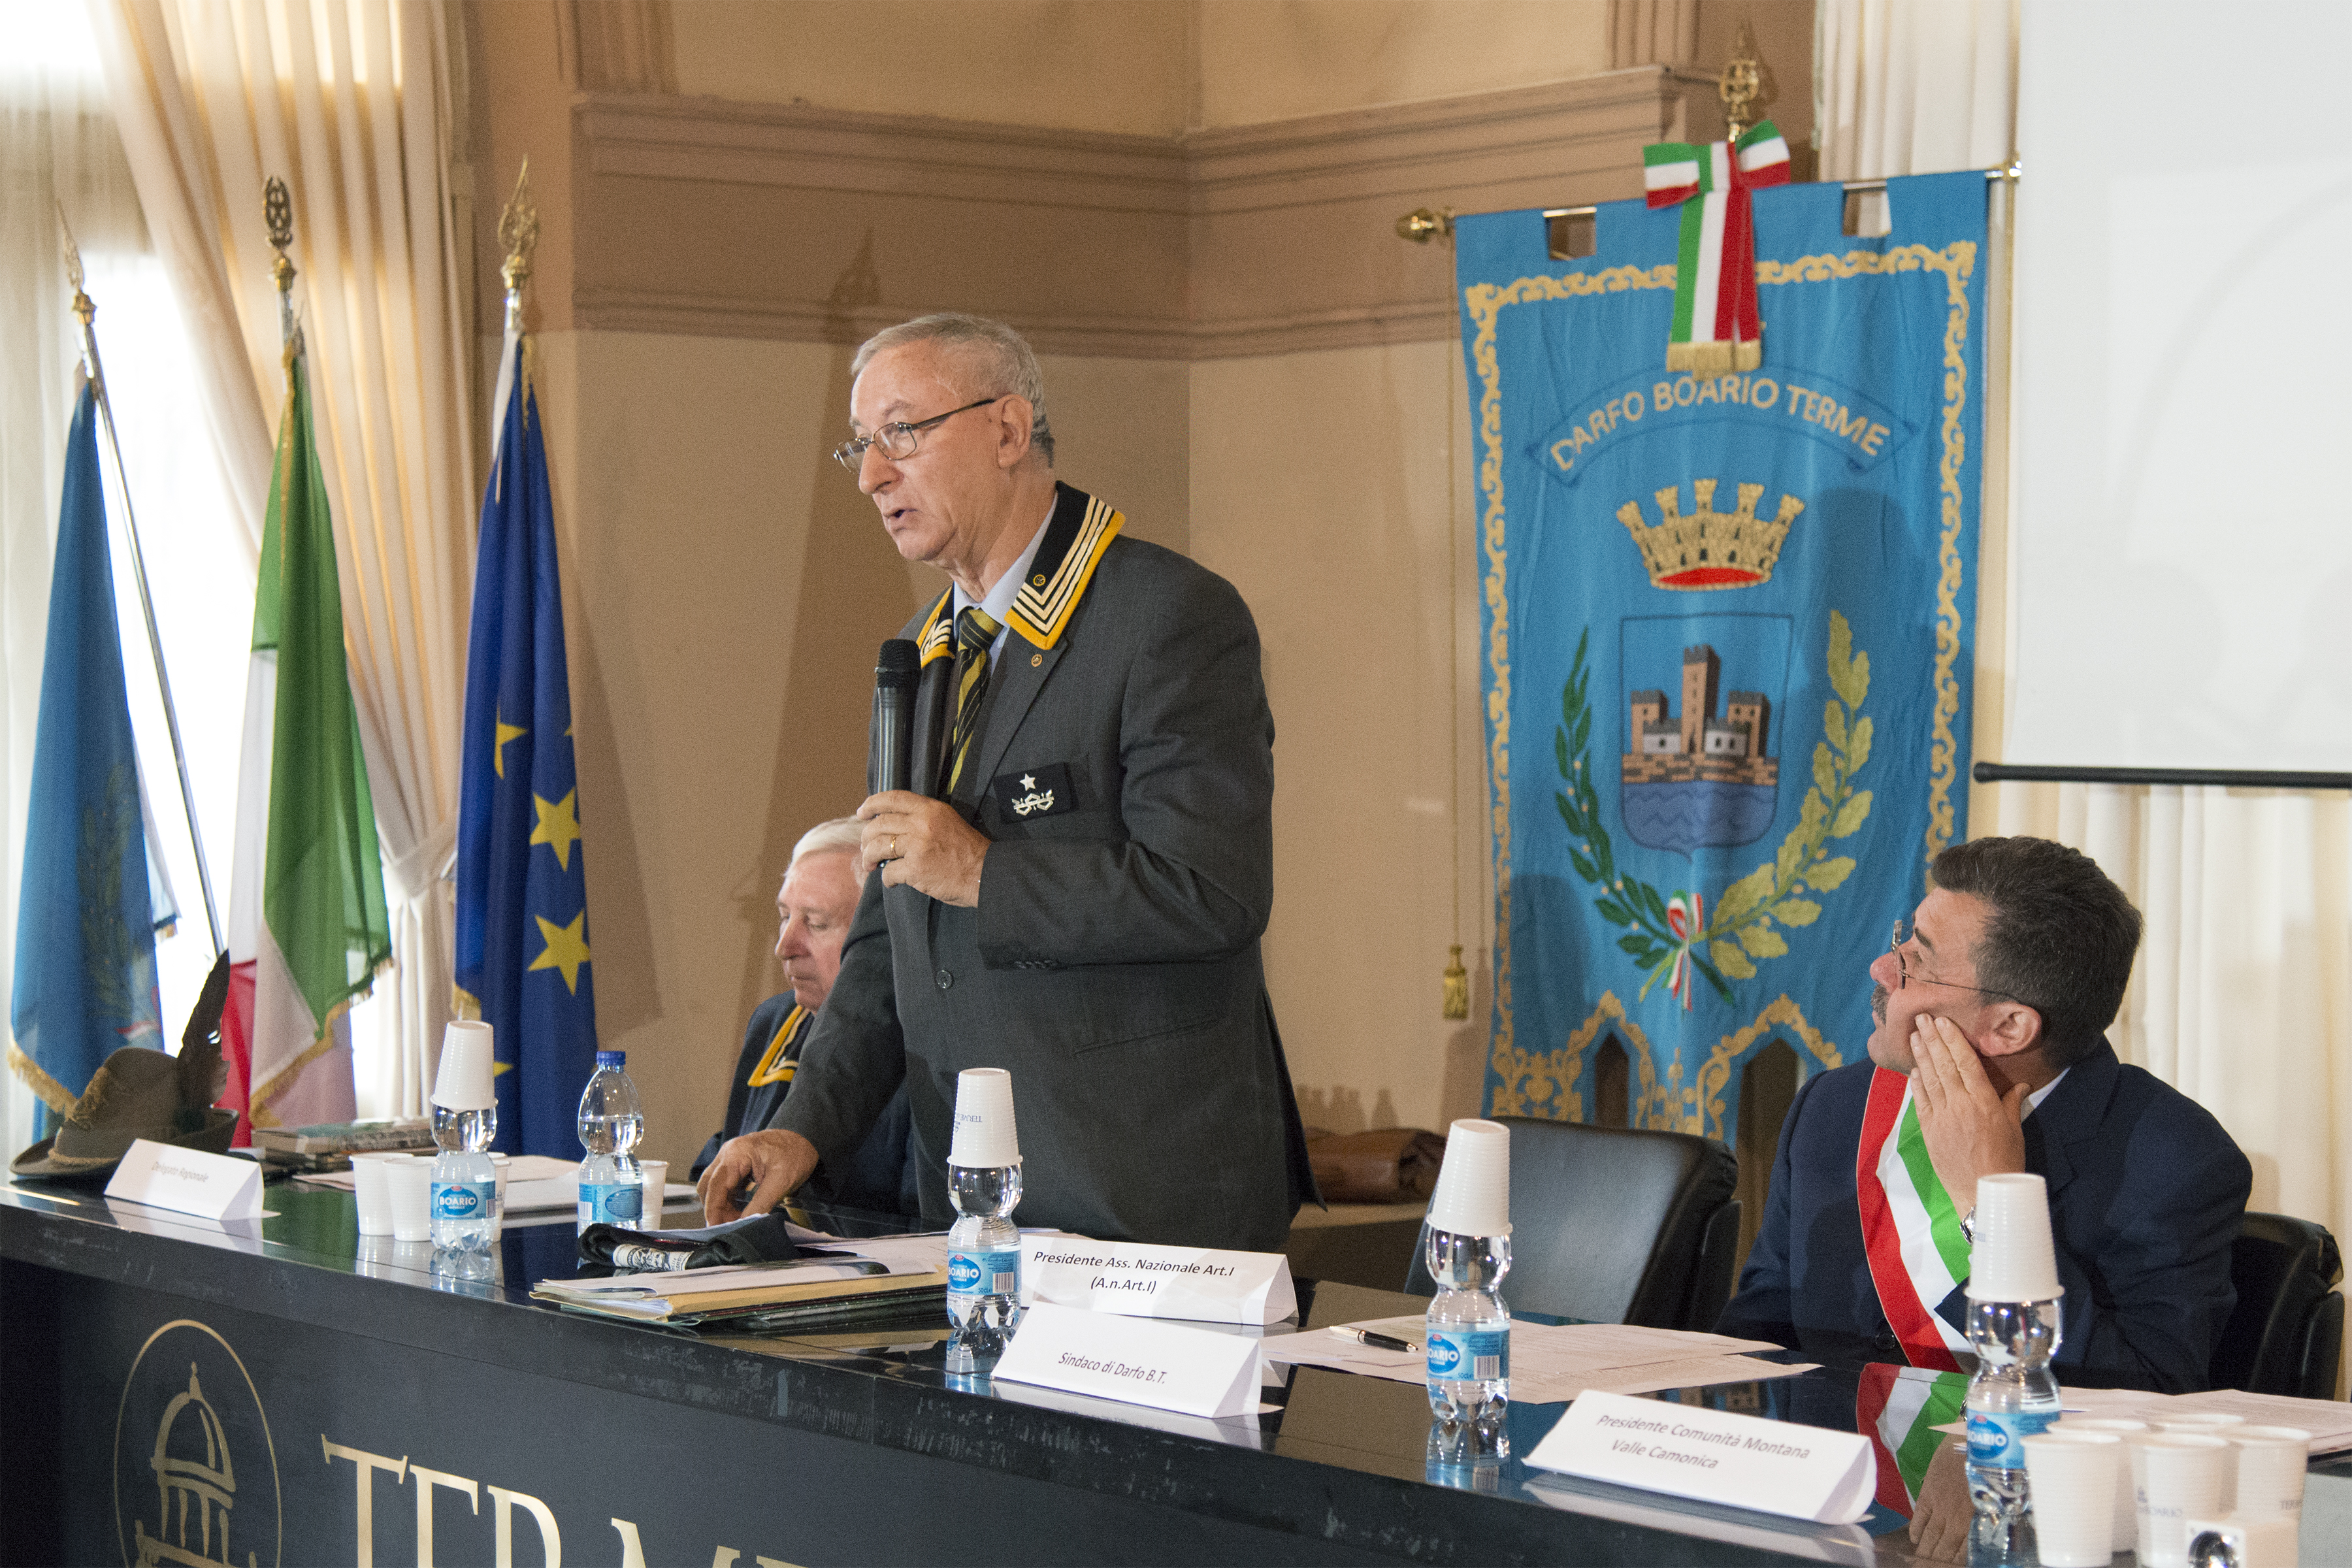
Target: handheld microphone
[(889, 748)]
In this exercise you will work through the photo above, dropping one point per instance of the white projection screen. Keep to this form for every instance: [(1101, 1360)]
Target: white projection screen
[(2182, 531)]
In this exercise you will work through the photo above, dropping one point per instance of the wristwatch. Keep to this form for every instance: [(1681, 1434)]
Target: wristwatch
[(1968, 1226)]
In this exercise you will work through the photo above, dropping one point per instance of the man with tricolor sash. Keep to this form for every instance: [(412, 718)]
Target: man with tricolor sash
[(1075, 891), (1990, 1057)]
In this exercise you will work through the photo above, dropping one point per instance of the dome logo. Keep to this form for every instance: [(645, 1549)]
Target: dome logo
[(195, 1471)]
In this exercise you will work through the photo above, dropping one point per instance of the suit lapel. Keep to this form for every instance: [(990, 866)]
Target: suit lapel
[(1080, 530), (2073, 1112)]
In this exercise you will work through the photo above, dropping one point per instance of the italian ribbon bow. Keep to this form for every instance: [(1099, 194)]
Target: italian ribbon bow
[(1687, 918), (1716, 330)]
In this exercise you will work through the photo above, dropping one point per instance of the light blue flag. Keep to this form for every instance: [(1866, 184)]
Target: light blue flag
[(87, 911), (1729, 640)]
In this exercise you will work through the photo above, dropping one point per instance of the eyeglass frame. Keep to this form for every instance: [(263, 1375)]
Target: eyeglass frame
[(1903, 968), (851, 454)]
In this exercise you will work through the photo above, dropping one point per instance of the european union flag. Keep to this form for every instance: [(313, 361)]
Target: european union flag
[(87, 909), (522, 883)]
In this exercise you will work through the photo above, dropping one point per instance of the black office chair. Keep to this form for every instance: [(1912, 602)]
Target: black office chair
[(1615, 1226), (2286, 1334)]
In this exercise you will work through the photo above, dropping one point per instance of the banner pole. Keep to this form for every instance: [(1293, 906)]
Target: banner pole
[(85, 313)]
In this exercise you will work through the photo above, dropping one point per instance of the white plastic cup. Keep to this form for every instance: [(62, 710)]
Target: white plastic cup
[(984, 1133), (2013, 1260), (1473, 1185), (654, 1175), (410, 1184), (2212, 1421), (2271, 1463), (2175, 1476), (368, 1187), (2125, 1527), (468, 1065), (2073, 1477)]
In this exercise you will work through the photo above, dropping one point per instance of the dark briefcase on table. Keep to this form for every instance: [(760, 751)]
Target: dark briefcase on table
[(1386, 1165)]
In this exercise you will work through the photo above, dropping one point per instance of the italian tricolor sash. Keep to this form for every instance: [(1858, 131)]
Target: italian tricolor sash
[(1898, 1408), (1716, 328), (1909, 1227)]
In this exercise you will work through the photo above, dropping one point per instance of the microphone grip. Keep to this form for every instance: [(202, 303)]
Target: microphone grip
[(894, 738)]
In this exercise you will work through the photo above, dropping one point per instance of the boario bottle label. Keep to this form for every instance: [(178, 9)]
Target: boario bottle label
[(1997, 1439), (611, 1203), (1474, 1356), (995, 1273), (463, 1200)]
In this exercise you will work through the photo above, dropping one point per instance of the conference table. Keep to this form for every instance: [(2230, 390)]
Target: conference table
[(290, 1393)]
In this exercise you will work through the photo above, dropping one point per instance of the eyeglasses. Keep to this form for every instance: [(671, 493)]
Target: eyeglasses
[(898, 440), (1903, 969)]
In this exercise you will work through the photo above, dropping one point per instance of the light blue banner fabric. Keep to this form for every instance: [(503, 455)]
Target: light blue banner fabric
[(1726, 628)]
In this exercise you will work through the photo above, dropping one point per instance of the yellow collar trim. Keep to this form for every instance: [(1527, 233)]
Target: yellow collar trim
[(1080, 530), (776, 1066)]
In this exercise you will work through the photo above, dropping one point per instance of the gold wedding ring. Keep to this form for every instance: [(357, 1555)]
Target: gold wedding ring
[(894, 847)]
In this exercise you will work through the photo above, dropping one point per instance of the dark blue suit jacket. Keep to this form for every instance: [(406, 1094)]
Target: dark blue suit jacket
[(2146, 1194), (879, 1174)]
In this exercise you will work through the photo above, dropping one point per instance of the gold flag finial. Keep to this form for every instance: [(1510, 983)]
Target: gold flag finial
[(277, 212), (518, 233), (1741, 86), (82, 307), (1457, 985)]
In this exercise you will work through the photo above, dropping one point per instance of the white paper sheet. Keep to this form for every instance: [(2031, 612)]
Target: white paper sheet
[(1551, 1362)]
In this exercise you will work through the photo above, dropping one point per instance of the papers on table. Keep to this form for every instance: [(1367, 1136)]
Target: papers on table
[(884, 1265), (536, 1183), (1551, 1362), (2329, 1422)]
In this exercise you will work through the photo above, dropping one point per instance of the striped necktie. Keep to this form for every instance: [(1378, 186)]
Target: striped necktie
[(975, 633)]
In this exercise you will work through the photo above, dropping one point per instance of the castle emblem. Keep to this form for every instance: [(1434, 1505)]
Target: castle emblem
[(1694, 780), (1710, 549), (195, 1485)]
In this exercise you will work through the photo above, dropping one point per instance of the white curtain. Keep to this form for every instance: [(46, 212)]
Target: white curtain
[(2243, 996), (347, 102)]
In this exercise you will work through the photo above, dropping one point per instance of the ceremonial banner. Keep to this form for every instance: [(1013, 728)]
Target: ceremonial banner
[(522, 872), (1727, 624), (88, 907)]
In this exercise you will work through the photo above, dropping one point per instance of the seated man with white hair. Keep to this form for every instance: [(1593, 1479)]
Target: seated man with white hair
[(813, 909)]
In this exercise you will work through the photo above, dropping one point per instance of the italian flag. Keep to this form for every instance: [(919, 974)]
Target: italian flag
[(1909, 1228), (1898, 1408), (308, 928), (1716, 327)]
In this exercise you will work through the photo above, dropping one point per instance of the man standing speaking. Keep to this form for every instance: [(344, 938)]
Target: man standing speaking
[(1083, 904)]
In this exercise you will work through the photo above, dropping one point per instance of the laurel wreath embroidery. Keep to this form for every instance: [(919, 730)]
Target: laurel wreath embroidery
[(1663, 935)]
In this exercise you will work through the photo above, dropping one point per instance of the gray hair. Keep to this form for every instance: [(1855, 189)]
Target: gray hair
[(1007, 366), (842, 833)]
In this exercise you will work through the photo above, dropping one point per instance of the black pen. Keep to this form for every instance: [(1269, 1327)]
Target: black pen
[(1378, 1342)]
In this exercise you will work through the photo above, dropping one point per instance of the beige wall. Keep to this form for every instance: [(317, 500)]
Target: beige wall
[(1082, 65), (1279, 60), (1320, 486)]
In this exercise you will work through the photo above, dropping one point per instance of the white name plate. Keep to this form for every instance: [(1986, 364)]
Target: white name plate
[(1773, 1466), (188, 1180), (1191, 1371), (1136, 1281)]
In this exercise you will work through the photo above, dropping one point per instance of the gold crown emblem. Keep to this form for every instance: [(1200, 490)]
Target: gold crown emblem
[(1710, 549)]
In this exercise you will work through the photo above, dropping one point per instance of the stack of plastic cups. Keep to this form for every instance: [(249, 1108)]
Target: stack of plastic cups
[(2272, 1461)]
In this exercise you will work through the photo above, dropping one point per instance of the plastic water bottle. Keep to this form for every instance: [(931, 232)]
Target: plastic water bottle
[(983, 1264), (2011, 1397), (1469, 1335), (610, 1125), (465, 1192)]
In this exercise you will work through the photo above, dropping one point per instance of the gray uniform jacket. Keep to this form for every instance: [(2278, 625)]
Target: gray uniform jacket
[(1125, 773)]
